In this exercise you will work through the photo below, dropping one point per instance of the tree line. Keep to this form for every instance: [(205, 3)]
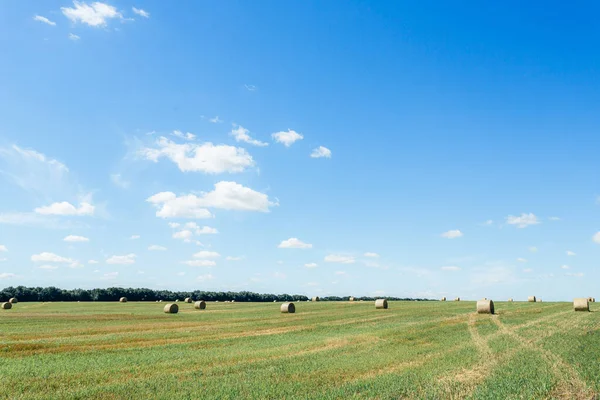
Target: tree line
[(52, 293)]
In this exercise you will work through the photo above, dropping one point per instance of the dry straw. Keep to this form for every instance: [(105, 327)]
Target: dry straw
[(13, 300), (200, 305), (123, 300), (581, 304), (485, 307), (381, 304), (316, 298), (6, 306), (531, 299), (188, 300), (288, 308), (171, 308)]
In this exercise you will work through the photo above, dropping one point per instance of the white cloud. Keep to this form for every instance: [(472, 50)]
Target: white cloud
[(3, 259), (92, 262), (452, 234), (207, 254), (596, 237), (7, 275), (321, 152), (522, 221), (554, 218), (294, 243), (450, 268), (95, 14), (174, 225), (250, 88), (528, 270), (340, 272), (3, 248), (215, 120), (44, 20), (180, 274), (287, 138), (141, 12), (489, 222), (135, 237), (335, 258), (311, 265), (565, 267), (111, 275), (118, 180), (155, 247), (231, 258), (122, 260), (206, 230), (74, 37), (186, 136), (533, 249), (74, 238), (205, 157), (200, 263), (520, 259), (226, 195), (50, 257), (279, 275), (185, 235), (372, 255), (48, 267), (204, 278), (65, 208), (241, 135), (576, 274)]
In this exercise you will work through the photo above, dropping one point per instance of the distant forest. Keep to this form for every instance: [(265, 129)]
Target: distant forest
[(51, 293)]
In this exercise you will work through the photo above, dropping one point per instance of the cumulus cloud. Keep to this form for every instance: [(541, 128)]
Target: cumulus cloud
[(372, 255), (50, 257), (596, 237), (66, 209), (215, 120), (205, 157), (452, 234), (174, 225), (520, 259), (570, 253), (311, 265), (140, 12), (7, 275), (48, 267), (185, 235), (207, 254), (74, 238), (321, 152), (205, 277), (122, 260), (155, 247), (74, 37), (118, 180), (565, 267), (3, 248), (97, 14), (241, 135), (226, 195), (200, 263), (134, 237), (44, 20), (287, 138), (186, 136), (335, 258), (294, 243), (450, 268), (522, 221), (206, 230)]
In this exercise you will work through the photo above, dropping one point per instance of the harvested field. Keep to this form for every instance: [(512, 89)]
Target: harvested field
[(325, 350)]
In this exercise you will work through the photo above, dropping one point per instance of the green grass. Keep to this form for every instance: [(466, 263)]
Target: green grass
[(414, 350)]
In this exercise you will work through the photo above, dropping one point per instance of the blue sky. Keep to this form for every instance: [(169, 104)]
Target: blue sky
[(355, 148)]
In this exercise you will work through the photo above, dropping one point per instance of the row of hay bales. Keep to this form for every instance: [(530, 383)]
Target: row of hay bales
[(9, 304), (486, 306)]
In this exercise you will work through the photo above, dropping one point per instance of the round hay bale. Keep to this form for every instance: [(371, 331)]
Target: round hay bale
[(233, 301), (316, 298), (6, 306), (171, 308), (531, 299), (457, 299), (581, 304), (593, 299), (381, 304), (13, 300), (288, 308), (160, 301), (510, 300), (123, 300), (188, 300), (351, 299), (274, 301), (443, 299), (485, 307), (177, 301), (200, 305), (539, 300)]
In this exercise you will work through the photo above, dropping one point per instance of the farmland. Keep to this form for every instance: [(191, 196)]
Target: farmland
[(327, 350)]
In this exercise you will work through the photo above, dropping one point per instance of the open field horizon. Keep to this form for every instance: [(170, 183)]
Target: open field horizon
[(325, 350)]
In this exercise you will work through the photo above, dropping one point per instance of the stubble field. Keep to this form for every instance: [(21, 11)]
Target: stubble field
[(327, 350)]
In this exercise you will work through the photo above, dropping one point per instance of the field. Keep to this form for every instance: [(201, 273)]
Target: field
[(326, 350)]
